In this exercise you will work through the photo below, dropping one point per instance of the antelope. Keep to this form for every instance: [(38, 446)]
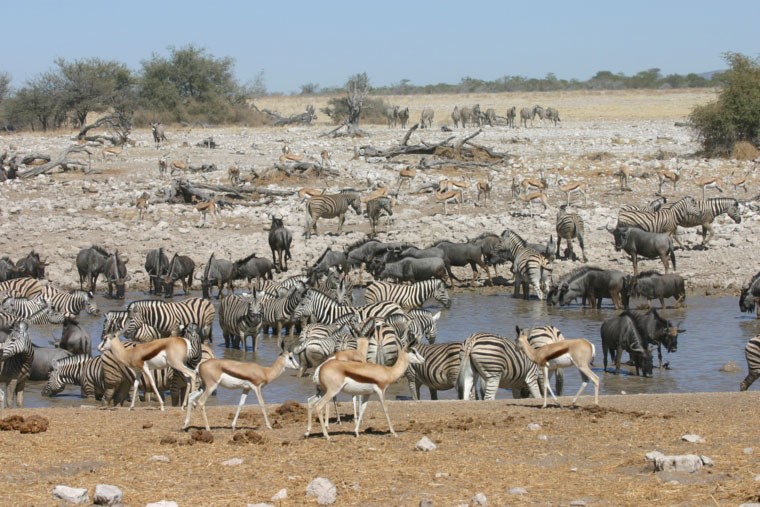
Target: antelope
[(290, 157), (406, 175), (672, 176), (740, 182), (111, 151), (576, 187), (515, 188), (154, 355), (179, 165), (233, 374), (484, 187), (709, 182), (307, 193), (285, 148), (623, 174), (533, 184), (454, 196), (162, 164), (207, 207), (233, 174), (446, 185), (378, 192), (535, 196), (577, 352), (360, 379), (325, 160), (142, 204)]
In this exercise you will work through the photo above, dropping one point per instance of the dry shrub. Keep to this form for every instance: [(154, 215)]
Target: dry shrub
[(744, 150), (34, 424), (204, 436), (11, 423)]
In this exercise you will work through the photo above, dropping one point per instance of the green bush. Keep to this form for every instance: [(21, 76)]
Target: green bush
[(735, 115)]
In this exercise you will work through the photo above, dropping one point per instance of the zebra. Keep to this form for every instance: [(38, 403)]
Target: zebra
[(544, 335), (511, 115), (169, 318), (707, 210), (16, 356), (665, 220), (752, 353), (526, 114), (499, 363), (277, 312), (569, 226), (116, 320), (408, 296), (440, 370), (282, 287), (22, 287), (530, 267), (375, 208), (8, 320), (651, 207), (71, 303), (423, 324), (331, 206), (552, 115), (35, 311), (67, 371), (240, 317), (456, 116), (426, 118), (317, 342)]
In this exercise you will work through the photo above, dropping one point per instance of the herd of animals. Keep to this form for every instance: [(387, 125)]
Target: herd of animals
[(472, 115)]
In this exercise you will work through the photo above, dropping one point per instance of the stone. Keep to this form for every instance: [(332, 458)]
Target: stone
[(425, 444), (106, 494), (730, 367), (694, 439), (280, 495), (323, 489), (260, 505), (534, 426), (683, 463), (426, 503), (162, 503), (232, 462), (479, 500), (748, 450), (577, 503), (517, 491), (71, 495), (160, 458)]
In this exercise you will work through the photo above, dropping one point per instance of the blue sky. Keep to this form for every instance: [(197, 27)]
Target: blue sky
[(425, 42)]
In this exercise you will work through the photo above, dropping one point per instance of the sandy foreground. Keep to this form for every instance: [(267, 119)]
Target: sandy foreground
[(594, 455)]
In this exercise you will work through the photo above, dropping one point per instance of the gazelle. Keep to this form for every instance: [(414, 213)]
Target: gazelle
[(535, 197), (454, 196), (406, 175), (325, 160), (233, 374), (533, 184), (162, 166), (111, 151), (672, 176), (360, 379), (207, 207), (154, 355), (447, 185), (575, 187), (233, 174), (740, 182), (378, 192), (484, 187), (142, 204), (709, 182), (307, 193), (563, 354), (291, 157), (179, 165)]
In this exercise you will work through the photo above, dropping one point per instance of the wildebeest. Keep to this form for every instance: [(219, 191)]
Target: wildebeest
[(592, 283), (649, 245), (403, 116), (253, 267), (422, 253), (494, 250), (456, 116), (91, 262), (156, 264), (552, 115), (653, 285), (329, 259), (375, 208), (409, 269), (116, 274), (159, 133), (635, 331), (30, 266), (749, 295), (180, 268), (280, 240), (7, 269), (463, 254), (426, 118), (217, 272), (490, 116), (74, 338)]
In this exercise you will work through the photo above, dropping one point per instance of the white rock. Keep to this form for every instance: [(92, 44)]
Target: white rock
[(280, 495), (695, 439), (479, 500), (748, 450), (577, 503), (160, 458), (534, 426), (517, 491), (260, 505), (106, 494), (162, 503), (323, 489), (71, 495), (425, 444), (232, 462), (682, 463)]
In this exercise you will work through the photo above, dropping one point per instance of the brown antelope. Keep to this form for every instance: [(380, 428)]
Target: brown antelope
[(233, 374), (111, 151), (325, 160), (142, 204), (623, 174), (291, 157), (451, 196), (154, 355), (406, 175), (179, 165), (562, 354), (535, 196), (233, 174), (358, 379), (446, 185), (378, 192), (484, 187), (307, 193), (671, 176), (575, 187), (740, 182), (533, 184), (709, 182), (207, 207), (162, 166)]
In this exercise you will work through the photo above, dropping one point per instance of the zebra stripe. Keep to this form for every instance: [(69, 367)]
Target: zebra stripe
[(16, 356), (317, 342), (752, 354), (667, 219), (707, 210), (499, 363), (71, 303), (331, 206), (67, 371), (34, 311), (544, 335), (440, 370), (22, 287), (569, 226), (168, 319), (529, 266), (422, 324), (408, 296), (240, 317), (277, 312), (8, 319), (116, 320)]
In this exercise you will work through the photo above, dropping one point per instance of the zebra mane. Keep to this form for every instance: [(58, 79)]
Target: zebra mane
[(320, 292), (357, 244), (647, 274), (245, 260), (513, 234), (578, 273), (69, 360), (100, 250), (321, 257)]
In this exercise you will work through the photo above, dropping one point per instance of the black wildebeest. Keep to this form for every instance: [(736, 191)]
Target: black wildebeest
[(159, 133), (653, 285), (635, 331), (423, 253), (650, 245), (253, 267), (180, 268), (463, 254), (280, 240), (156, 264), (30, 266), (749, 296), (7, 269), (592, 283), (74, 338), (329, 259), (409, 269), (116, 274), (494, 250), (217, 272), (91, 262)]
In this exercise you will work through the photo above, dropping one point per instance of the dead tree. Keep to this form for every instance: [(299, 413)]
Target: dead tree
[(120, 125), (64, 161), (357, 90), (303, 119)]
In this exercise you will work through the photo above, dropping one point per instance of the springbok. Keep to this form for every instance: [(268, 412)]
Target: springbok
[(179, 165), (533, 197), (153, 355), (378, 192), (740, 182), (142, 204), (291, 157), (162, 165), (233, 374), (406, 175), (623, 174), (454, 196), (577, 352), (111, 151), (575, 187), (360, 379), (709, 182), (307, 193), (325, 160), (207, 207), (535, 185), (484, 187), (446, 185), (672, 176), (233, 174)]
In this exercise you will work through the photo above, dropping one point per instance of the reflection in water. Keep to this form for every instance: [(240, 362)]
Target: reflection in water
[(716, 334)]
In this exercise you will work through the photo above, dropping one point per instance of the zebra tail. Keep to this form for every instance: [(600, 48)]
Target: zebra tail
[(465, 371)]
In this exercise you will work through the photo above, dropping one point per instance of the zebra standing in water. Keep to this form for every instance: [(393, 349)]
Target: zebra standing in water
[(707, 210), (331, 206), (240, 317), (34, 311), (569, 226), (168, 319), (752, 353), (498, 362), (68, 371), (544, 335), (16, 356), (440, 370), (277, 312), (667, 219), (71, 303), (530, 268), (116, 320), (408, 296), (22, 287)]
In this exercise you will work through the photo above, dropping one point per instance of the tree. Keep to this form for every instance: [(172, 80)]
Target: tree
[(348, 109), (5, 85), (37, 103), (735, 115), (309, 89)]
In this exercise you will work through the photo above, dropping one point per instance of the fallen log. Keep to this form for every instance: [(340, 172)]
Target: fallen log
[(63, 160)]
